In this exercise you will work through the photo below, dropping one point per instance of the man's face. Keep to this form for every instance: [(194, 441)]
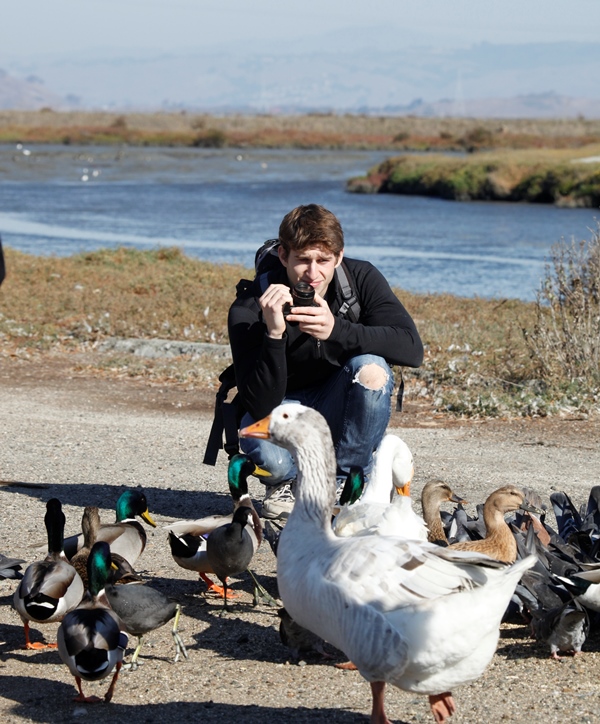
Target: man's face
[(315, 266)]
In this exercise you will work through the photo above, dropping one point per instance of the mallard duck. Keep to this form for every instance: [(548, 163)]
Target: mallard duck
[(120, 571), (416, 615), (499, 542), (142, 609), (10, 567), (187, 538), (127, 536), (378, 510), (90, 640), (434, 493), (52, 587)]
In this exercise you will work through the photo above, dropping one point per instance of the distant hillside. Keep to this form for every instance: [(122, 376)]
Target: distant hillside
[(533, 105), (542, 80), (519, 80), (27, 94)]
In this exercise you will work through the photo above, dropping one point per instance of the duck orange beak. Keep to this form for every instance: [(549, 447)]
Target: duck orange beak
[(258, 429)]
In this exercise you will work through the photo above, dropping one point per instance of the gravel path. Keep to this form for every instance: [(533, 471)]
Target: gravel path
[(83, 440)]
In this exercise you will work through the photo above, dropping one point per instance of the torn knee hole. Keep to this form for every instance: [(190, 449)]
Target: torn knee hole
[(372, 376)]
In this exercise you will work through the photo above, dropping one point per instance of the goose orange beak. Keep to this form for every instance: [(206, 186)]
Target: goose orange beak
[(258, 429), (404, 490)]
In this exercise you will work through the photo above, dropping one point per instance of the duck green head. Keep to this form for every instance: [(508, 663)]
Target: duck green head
[(240, 467), (131, 503), (98, 567), (54, 520), (353, 487)]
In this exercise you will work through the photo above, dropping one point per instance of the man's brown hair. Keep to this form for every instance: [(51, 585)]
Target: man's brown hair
[(309, 226)]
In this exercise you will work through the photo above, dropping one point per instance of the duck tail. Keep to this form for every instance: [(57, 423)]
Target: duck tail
[(524, 564)]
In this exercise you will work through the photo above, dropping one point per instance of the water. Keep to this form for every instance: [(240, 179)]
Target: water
[(220, 205)]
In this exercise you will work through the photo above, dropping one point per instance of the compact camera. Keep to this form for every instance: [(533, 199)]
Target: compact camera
[(303, 295)]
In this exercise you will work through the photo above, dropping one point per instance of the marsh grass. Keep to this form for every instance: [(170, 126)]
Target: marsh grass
[(539, 176), (311, 130), (477, 362)]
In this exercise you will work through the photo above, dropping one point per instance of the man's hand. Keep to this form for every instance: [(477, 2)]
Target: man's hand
[(316, 321), (271, 303)]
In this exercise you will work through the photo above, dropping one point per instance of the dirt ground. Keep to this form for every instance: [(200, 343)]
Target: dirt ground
[(84, 439)]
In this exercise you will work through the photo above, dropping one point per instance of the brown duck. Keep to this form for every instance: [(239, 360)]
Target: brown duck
[(434, 493), (499, 542)]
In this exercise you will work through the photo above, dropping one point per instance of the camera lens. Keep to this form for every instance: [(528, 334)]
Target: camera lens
[(303, 295)]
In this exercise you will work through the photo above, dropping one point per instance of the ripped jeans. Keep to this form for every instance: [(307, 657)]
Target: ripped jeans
[(357, 411)]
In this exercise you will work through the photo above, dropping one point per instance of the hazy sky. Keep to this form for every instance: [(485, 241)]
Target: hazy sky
[(33, 27)]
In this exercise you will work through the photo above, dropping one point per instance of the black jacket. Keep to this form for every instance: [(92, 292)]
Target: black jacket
[(267, 369)]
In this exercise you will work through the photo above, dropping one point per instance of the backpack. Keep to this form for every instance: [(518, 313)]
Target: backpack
[(227, 414)]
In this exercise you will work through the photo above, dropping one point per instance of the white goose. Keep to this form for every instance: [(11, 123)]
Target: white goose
[(421, 617), (378, 510)]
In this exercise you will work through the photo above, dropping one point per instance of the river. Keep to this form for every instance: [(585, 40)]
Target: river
[(220, 205)]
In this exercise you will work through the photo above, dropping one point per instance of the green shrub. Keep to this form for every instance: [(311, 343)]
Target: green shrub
[(211, 138)]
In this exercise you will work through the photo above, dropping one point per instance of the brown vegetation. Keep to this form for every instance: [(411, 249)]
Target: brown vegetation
[(302, 131), (477, 362)]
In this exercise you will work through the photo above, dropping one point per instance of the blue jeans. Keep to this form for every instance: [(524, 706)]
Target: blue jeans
[(357, 416)]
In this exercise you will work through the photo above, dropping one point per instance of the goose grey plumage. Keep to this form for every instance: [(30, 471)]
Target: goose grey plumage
[(419, 616)]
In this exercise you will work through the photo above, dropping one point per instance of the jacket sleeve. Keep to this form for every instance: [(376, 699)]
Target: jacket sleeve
[(385, 327), (259, 361)]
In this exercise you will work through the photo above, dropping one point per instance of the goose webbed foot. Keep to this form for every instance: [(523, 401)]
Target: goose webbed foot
[(442, 706), (346, 666)]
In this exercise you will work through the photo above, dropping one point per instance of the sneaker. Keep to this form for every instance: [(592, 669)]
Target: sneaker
[(279, 501)]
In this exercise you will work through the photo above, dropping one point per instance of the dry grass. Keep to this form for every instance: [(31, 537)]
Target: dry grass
[(301, 131), (565, 338), (477, 361), (120, 292)]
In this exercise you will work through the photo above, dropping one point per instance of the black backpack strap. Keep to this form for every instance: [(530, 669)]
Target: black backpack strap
[(350, 308), (400, 394), (225, 421), (261, 258)]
